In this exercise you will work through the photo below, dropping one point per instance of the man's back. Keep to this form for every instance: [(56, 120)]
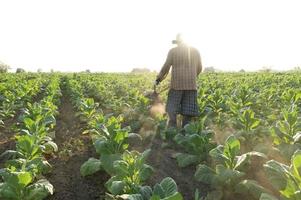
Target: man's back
[(186, 65)]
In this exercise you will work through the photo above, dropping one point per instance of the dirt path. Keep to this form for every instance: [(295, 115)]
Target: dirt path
[(166, 166), (74, 150), (7, 137)]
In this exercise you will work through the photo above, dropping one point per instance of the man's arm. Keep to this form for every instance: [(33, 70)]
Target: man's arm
[(199, 66), (165, 69)]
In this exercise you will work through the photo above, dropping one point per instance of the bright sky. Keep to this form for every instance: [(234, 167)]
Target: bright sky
[(118, 35)]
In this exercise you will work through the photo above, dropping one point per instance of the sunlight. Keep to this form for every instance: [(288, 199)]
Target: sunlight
[(101, 40)]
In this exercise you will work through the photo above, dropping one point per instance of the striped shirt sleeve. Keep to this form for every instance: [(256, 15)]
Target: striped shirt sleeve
[(165, 69)]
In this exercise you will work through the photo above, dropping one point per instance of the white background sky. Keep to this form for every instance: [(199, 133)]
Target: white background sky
[(112, 35)]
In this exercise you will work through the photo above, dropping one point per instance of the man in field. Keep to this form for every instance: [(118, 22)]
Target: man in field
[(182, 97)]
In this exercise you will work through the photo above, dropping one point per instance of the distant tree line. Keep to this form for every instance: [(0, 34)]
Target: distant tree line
[(141, 70), (3, 67)]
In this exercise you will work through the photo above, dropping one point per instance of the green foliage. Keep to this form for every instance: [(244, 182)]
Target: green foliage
[(197, 142), (131, 172), (165, 190), (227, 178), (18, 185), (286, 179), (87, 108), (25, 165), (287, 132), (90, 167)]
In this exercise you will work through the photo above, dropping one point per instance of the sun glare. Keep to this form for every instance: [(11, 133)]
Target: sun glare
[(102, 40)]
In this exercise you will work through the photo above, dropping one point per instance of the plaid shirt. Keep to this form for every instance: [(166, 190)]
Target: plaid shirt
[(186, 66)]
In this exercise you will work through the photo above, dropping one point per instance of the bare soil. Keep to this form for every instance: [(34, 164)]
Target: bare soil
[(165, 165), (74, 150), (6, 138)]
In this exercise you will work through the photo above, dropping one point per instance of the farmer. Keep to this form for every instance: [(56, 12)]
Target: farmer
[(182, 96)]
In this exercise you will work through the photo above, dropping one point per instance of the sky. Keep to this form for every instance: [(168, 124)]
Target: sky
[(118, 35)]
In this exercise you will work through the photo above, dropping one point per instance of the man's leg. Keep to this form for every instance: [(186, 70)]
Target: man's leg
[(186, 120), (172, 121), (173, 106), (189, 106)]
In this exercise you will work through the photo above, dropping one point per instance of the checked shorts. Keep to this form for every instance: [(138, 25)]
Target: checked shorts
[(182, 102)]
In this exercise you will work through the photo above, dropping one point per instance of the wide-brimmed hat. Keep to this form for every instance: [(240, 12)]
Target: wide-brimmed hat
[(179, 39)]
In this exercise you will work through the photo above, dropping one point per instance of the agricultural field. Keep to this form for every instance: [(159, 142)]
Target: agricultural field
[(85, 136)]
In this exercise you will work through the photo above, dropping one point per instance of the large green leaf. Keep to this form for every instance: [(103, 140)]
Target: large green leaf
[(91, 166), (169, 186), (283, 179), (120, 136), (185, 160), (121, 167), (117, 187), (108, 162), (250, 188), (14, 182), (134, 137), (109, 183), (102, 146), (276, 173), (144, 156), (10, 154), (24, 178), (244, 160), (218, 154), (255, 123), (155, 197), (296, 164), (7, 192), (39, 164), (27, 146), (204, 174), (146, 172), (225, 175), (287, 150), (232, 146), (39, 190), (146, 192), (158, 192)]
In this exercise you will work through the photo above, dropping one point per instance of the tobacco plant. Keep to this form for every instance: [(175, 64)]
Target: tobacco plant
[(226, 179), (286, 179), (197, 142), (287, 132)]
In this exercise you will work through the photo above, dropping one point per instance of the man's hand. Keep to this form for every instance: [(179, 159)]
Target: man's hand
[(156, 82)]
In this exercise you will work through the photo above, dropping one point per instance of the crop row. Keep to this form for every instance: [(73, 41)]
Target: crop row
[(256, 120), (24, 167), (245, 144), (15, 92), (128, 169)]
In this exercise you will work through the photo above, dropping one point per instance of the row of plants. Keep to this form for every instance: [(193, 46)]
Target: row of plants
[(128, 169), (263, 116), (253, 120), (22, 177), (15, 92), (121, 94), (261, 112)]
